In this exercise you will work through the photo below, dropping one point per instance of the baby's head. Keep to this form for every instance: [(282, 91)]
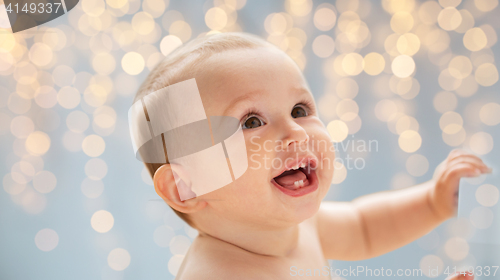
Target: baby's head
[(243, 76)]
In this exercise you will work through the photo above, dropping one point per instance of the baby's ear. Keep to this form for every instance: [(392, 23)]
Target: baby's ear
[(167, 187)]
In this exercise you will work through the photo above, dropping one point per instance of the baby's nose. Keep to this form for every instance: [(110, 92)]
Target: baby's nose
[(295, 135)]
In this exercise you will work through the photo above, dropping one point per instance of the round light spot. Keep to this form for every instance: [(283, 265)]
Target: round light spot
[(323, 46), (347, 109), (181, 29), (38, 143), (40, 54), (77, 121), (104, 63), (175, 263), (32, 201), (63, 75), (163, 235), (68, 97), (449, 18), (46, 97), (403, 66), (119, 259), (487, 195), (96, 168), (402, 180), (18, 104), (339, 173), (92, 188), (428, 12), (374, 63), (347, 88), (93, 8), (44, 181), (386, 110), (352, 64), (191, 232), (93, 145), (11, 186), (467, 21), (143, 23), (430, 263), (451, 122), (105, 117), (475, 39), (449, 3), (486, 74), (447, 81), (408, 44), (401, 22), (460, 67), (456, 248), (404, 123), (169, 43), (46, 239), (21, 127), (417, 165), (324, 19), (490, 114), (133, 63), (216, 18), (179, 245), (102, 221), (95, 95), (486, 5), (481, 143), (454, 139), (338, 130), (461, 227), (445, 101), (468, 87), (154, 7), (410, 141), (481, 217)]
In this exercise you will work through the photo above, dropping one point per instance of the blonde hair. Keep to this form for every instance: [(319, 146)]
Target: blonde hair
[(183, 63)]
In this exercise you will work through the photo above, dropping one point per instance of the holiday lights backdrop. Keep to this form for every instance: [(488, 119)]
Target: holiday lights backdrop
[(419, 78)]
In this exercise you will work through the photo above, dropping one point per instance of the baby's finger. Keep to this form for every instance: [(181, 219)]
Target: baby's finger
[(455, 152), (472, 159), (454, 173)]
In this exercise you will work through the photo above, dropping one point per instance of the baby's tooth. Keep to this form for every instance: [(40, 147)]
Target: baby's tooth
[(296, 183), (301, 183), (303, 165)]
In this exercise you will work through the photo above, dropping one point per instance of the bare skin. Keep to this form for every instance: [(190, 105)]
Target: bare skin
[(250, 229)]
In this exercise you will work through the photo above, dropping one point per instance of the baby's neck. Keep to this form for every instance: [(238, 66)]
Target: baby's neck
[(273, 243)]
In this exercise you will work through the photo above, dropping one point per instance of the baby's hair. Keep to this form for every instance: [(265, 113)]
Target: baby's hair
[(185, 61)]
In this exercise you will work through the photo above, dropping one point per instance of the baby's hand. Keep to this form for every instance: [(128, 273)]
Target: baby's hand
[(458, 164)]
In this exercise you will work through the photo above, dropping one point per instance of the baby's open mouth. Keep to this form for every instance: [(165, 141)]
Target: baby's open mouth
[(298, 178), (294, 178)]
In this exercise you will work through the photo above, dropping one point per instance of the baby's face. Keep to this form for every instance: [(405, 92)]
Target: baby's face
[(265, 89)]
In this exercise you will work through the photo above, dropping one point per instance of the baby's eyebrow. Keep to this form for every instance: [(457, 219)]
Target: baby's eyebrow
[(243, 98), (252, 95)]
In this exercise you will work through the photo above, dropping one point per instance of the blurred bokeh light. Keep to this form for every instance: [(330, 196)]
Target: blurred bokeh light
[(417, 77)]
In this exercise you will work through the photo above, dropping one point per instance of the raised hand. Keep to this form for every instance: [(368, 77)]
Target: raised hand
[(458, 164)]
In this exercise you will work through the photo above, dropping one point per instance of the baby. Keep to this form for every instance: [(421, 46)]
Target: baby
[(273, 218)]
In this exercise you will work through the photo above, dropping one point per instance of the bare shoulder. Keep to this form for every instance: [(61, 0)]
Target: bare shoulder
[(209, 259)]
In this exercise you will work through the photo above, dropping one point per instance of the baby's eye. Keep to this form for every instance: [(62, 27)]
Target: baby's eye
[(298, 112), (252, 122)]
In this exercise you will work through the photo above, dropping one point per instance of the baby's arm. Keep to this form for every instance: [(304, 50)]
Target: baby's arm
[(378, 223)]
